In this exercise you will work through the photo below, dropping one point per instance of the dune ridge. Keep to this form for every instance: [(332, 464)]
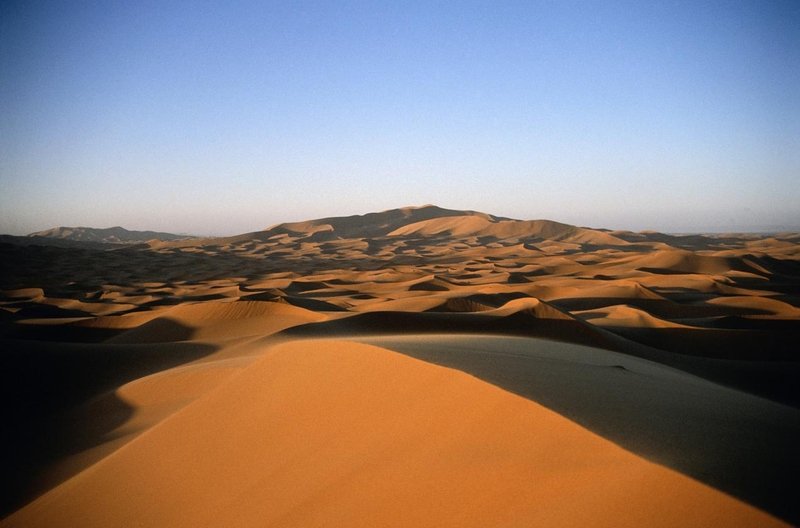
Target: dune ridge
[(422, 445)]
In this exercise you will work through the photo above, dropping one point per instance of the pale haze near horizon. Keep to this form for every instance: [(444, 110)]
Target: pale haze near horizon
[(221, 119)]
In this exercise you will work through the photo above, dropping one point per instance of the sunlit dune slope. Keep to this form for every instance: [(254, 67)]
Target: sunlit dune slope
[(343, 434)]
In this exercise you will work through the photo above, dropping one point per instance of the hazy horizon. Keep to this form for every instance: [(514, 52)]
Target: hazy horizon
[(765, 229), (218, 120)]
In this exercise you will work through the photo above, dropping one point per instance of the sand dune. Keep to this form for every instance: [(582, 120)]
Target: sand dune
[(682, 261), (759, 305), (337, 434), (624, 315), (217, 320), (465, 226), (174, 383)]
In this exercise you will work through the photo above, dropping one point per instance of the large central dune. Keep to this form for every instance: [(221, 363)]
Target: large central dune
[(413, 367), (341, 434)]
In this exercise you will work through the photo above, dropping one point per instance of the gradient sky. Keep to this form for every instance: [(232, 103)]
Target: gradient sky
[(226, 117)]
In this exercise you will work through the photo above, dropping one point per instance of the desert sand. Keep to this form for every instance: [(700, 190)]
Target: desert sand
[(416, 367)]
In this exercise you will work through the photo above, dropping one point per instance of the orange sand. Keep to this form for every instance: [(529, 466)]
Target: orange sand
[(345, 434)]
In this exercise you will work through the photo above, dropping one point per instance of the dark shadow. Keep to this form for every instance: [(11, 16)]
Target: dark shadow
[(40, 381), (661, 308), (268, 295), (484, 300), (780, 268), (311, 304), (434, 284), (32, 310), (158, 330), (298, 287), (779, 344), (56, 332), (740, 444), (517, 324), (762, 363)]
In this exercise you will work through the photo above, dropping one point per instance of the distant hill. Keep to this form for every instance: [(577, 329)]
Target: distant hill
[(110, 235), (424, 222), (373, 225), (421, 222), (433, 221)]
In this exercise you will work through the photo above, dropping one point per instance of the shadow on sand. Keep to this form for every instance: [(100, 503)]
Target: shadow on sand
[(733, 441), (41, 382)]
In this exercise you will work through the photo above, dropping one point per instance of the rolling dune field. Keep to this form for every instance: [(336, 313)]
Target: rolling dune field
[(414, 367)]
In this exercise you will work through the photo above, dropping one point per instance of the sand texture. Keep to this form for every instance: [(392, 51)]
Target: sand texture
[(415, 367)]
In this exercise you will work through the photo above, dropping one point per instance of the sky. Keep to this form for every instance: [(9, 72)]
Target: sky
[(220, 118)]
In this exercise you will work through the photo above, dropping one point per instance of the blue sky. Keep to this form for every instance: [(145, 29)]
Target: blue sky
[(226, 117)]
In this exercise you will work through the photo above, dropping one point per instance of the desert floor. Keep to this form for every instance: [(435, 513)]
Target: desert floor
[(418, 368)]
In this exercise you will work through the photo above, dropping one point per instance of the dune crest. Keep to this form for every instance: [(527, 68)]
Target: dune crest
[(375, 437)]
